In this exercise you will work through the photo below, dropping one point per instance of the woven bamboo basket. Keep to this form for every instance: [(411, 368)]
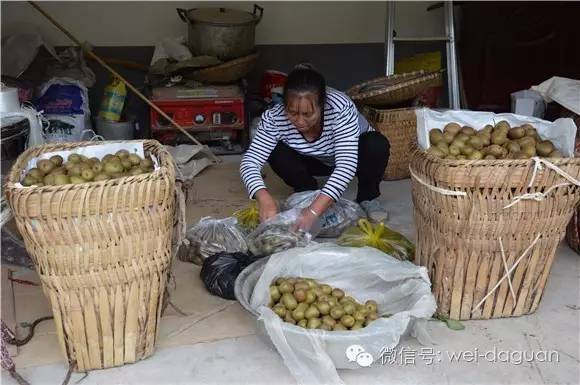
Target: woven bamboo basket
[(227, 72), (393, 89), (573, 232), (400, 127), (102, 250), (463, 225)]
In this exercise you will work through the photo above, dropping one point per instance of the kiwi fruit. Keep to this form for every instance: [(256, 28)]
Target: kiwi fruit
[(97, 167), (45, 165), (310, 296), (280, 310), (122, 154), (489, 157), (347, 320), (502, 126), (458, 143), (496, 150), (371, 306), (337, 312), (443, 147), (302, 323), (556, 154), (59, 171), (126, 163), (346, 299), (312, 312), (29, 181), (448, 137), (357, 325), (75, 170), (339, 327), (527, 141), (452, 128), (337, 293), (134, 159), (520, 155), (74, 158), (289, 301), (475, 155), (100, 177), (529, 150), (298, 314), (328, 320), (475, 142), (76, 179), (326, 289), (530, 131), (462, 137), (323, 326), (112, 167), (275, 293), (467, 150), (313, 323), (349, 308), (461, 157), (545, 148), (323, 308), (288, 318), (298, 286), (512, 147), (300, 295), (436, 152), (87, 174), (359, 316), (454, 150), (485, 138), (146, 164), (469, 131), (435, 136), (35, 173), (48, 179), (61, 179), (516, 133), (56, 160), (487, 129), (498, 137)]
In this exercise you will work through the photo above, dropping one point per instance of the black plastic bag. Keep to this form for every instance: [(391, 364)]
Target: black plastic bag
[(219, 272)]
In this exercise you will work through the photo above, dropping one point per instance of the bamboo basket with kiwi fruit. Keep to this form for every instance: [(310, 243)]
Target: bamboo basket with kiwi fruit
[(491, 206), (102, 248)]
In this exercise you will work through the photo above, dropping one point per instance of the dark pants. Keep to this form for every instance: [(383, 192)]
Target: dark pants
[(298, 171)]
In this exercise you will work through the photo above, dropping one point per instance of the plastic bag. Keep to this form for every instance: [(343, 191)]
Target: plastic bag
[(211, 236), (113, 101), (338, 217), (380, 237), (219, 272), (401, 290), (248, 218), (277, 234)]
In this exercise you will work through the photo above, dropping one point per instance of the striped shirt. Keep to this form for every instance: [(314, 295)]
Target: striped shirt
[(336, 146)]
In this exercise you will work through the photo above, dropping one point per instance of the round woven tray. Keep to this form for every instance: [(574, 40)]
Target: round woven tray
[(463, 223), (227, 72), (400, 127), (393, 89)]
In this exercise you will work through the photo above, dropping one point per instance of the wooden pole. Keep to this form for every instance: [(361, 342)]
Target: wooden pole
[(116, 74)]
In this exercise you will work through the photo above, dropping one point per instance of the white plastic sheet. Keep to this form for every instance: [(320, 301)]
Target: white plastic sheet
[(563, 91), (562, 132), (401, 289)]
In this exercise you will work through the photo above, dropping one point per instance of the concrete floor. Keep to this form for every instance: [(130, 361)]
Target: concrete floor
[(554, 329)]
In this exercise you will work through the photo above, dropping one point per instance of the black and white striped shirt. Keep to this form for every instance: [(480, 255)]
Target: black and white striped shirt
[(337, 144)]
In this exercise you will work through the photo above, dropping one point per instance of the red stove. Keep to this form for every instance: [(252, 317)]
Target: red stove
[(209, 113)]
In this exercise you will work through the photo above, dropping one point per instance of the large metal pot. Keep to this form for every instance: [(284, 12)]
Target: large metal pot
[(225, 33)]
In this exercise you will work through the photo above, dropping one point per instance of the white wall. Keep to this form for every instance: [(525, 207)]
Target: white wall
[(143, 23)]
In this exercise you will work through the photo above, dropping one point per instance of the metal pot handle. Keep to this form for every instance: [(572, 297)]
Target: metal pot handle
[(182, 14), (257, 7)]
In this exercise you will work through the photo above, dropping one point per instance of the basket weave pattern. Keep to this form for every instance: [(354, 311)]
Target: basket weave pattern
[(102, 251), (400, 127), (459, 235)]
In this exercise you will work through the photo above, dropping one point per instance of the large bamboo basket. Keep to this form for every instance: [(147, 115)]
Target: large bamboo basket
[(400, 127), (102, 251), (462, 226)]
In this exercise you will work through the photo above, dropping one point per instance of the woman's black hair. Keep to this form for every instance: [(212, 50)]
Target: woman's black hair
[(304, 78)]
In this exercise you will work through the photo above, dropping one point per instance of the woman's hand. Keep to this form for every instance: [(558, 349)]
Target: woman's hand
[(306, 220), (266, 204)]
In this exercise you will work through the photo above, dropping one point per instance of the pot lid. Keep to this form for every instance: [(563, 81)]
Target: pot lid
[(221, 16)]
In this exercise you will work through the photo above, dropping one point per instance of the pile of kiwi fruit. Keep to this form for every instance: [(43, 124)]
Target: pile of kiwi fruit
[(491, 142), (80, 169), (306, 303)]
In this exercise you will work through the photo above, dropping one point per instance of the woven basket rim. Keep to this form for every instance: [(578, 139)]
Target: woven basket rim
[(491, 162), (408, 79), (27, 155), (225, 66)]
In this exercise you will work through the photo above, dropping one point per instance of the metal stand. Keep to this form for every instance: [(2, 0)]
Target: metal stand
[(449, 39)]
